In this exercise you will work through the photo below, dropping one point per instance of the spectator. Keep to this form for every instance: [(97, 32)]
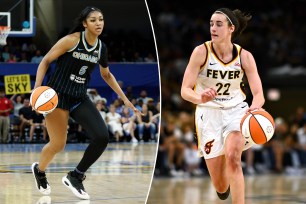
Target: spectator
[(5, 108), (12, 58), (128, 124), (17, 102), (25, 115), (145, 123), (143, 96), (23, 57), (37, 121), (129, 93), (114, 123), (100, 105), (6, 53), (37, 58), (94, 95)]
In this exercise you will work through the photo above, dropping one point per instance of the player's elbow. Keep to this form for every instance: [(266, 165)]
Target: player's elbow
[(183, 93)]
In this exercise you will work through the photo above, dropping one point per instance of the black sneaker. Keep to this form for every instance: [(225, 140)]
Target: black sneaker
[(40, 180), (224, 196), (75, 185)]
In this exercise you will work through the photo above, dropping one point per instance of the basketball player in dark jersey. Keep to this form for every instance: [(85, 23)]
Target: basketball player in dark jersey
[(77, 54)]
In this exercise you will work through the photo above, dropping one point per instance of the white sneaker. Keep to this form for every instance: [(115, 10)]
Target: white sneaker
[(76, 185), (40, 180), (44, 200), (134, 140)]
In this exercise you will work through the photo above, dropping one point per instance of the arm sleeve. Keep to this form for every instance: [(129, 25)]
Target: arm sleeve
[(103, 58)]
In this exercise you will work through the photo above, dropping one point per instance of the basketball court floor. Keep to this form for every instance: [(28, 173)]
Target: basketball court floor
[(260, 189), (121, 175)]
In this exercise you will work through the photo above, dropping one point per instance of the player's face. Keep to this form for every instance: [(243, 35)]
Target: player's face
[(219, 28), (95, 22)]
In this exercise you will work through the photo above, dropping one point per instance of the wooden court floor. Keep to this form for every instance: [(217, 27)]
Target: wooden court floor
[(262, 189), (121, 175)]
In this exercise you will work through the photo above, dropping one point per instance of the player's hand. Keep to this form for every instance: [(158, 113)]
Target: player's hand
[(131, 106), (252, 108), (208, 95)]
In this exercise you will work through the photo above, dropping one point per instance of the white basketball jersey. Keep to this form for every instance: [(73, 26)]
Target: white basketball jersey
[(226, 78)]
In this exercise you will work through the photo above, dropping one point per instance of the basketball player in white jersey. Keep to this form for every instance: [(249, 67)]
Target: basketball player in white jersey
[(212, 81)]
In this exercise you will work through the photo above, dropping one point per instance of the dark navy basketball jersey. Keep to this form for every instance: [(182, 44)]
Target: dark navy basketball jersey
[(73, 69)]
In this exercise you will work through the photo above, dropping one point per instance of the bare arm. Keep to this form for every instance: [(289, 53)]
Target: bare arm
[(191, 73), (254, 81), (62, 46), (112, 82)]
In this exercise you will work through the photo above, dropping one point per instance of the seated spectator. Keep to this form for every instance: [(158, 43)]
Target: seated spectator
[(101, 108), (145, 123), (143, 96), (37, 58), (37, 121), (114, 123), (95, 96), (174, 148), (128, 123), (12, 58), (23, 57), (25, 115)]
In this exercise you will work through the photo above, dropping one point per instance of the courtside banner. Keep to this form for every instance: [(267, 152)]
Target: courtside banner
[(17, 84)]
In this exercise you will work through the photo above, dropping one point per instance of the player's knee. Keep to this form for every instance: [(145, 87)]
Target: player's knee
[(101, 139), (58, 147), (233, 159)]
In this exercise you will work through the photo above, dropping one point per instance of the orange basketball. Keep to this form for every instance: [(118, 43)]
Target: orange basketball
[(257, 126), (44, 99)]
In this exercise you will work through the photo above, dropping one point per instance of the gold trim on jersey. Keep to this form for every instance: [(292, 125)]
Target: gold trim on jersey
[(237, 47), (206, 59)]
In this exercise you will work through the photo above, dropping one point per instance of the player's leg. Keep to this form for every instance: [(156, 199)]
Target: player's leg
[(218, 174), (56, 123), (234, 145), (87, 115)]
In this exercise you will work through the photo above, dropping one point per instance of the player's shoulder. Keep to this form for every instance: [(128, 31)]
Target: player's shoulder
[(200, 49), (73, 36), (245, 54)]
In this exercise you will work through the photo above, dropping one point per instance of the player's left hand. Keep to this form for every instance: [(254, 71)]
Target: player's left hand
[(252, 108), (131, 106)]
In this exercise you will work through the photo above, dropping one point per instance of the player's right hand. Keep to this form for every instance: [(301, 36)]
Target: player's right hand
[(208, 95)]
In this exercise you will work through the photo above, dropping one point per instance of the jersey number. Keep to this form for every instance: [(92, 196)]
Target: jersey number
[(223, 88)]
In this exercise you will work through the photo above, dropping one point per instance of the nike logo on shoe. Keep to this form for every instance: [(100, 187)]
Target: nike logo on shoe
[(212, 63)]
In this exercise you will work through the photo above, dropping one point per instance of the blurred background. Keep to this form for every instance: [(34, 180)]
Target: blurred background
[(275, 37)]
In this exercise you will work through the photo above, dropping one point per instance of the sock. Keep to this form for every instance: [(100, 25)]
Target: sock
[(77, 173), (40, 172)]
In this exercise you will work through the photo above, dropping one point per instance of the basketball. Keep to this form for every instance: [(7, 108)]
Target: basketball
[(44, 99), (257, 126)]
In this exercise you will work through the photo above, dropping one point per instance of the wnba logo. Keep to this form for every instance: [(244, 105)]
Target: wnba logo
[(83, 70)]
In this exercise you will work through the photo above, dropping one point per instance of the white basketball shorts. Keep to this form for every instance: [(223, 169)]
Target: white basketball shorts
[(213, 126)]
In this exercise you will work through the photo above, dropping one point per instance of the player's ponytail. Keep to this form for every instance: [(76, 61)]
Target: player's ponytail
[(236, 18), (78, 22), (243, 22)]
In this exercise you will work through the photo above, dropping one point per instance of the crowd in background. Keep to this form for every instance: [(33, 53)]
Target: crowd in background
[(23, 125), (275, 36), (122, 47)]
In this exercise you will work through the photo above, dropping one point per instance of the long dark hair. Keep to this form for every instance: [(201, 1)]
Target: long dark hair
[(78, 22)]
